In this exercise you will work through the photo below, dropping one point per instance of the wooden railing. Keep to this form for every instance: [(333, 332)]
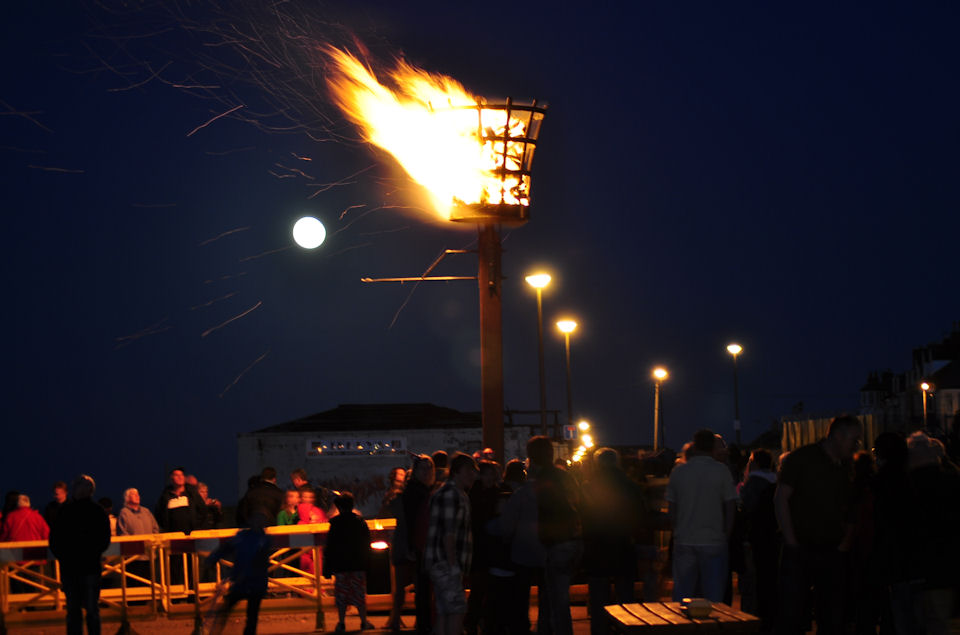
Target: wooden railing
[(177, 582)]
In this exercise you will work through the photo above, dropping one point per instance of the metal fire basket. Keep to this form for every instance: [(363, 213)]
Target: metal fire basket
[(507, 135)]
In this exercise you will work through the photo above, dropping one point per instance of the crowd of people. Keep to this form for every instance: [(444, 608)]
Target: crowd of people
[(849, 539), (852, 540)]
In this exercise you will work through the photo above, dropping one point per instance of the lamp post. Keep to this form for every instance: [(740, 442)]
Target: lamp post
[(567, 327), (735, 350), (925, 388), (538, 281), (659, 374)]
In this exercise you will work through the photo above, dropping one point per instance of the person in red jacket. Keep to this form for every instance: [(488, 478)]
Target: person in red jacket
[(24, 523)]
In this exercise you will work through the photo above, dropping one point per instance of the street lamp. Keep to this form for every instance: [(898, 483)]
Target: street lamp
[(567, 327), (659, 374), (925, 387), (735, 349), (538, 281)]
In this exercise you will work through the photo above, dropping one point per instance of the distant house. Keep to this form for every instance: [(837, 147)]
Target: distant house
[(354, 446), (945, 401), (894, 401)]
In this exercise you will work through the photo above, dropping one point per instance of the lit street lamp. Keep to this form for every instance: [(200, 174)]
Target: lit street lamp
[(925, 387), (567, 327), (538, 281), (735, 349), (659, 374)]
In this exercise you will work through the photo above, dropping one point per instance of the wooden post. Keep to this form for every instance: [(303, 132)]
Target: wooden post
[(491, 339)]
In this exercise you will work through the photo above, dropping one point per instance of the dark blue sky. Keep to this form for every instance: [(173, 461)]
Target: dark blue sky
[(782, 176)]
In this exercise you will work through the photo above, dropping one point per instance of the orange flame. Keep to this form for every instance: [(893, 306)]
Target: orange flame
[(441, 135)]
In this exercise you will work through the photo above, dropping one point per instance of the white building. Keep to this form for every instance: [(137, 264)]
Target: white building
[(353, 447)]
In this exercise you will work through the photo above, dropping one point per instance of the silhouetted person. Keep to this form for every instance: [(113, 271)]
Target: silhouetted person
[(263, 498), (389, 506), (611, 517), (861, 607), (449, 546), (514, 474), (813, 505), (440, 461), (249, 550), (416, 516), (346, 557), (761, 534), (702, 501), (935, 504), (543, 517), (484, 499), (59, 498), (889, 561), (80, 534), (179, 506)]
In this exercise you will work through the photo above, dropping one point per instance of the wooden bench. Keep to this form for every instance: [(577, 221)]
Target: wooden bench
[(662, 617)]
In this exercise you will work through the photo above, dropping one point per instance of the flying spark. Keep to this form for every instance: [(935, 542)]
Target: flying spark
[(226, 233), (52, 169), (153, 329), (234, 318), (266, 253), (245, 371), (223, 114), (210, 303)]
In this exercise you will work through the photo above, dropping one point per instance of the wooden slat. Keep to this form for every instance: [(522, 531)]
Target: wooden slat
[(679, 623), (664, 613), (736, 621), (635, 619), (623, 620), (669, 617), (643, 613)]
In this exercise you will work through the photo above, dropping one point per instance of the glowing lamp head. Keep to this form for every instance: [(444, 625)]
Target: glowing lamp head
[(734, 349), (309, 233), (379, 545), (567, 326), (660, 374), (925, 386), (584, 426), (587, 440), (538, 280)]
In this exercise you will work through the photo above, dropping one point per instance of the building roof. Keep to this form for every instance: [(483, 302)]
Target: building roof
[(401, 416), (947, 377)]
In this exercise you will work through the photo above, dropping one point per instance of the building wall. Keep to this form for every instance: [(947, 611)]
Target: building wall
[(362, 471)]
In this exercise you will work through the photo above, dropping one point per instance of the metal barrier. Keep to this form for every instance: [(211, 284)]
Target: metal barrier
[(175, 583)]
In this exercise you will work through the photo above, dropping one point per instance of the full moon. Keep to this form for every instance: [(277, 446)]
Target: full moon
[(309, 233)]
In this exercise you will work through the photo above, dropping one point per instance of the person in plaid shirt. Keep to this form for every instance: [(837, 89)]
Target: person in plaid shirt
[(450, 545)]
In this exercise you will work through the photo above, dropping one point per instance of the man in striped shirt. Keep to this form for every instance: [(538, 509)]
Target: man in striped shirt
[(450, 545)]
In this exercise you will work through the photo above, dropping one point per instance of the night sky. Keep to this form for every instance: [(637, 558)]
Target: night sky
[(784, 176)]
